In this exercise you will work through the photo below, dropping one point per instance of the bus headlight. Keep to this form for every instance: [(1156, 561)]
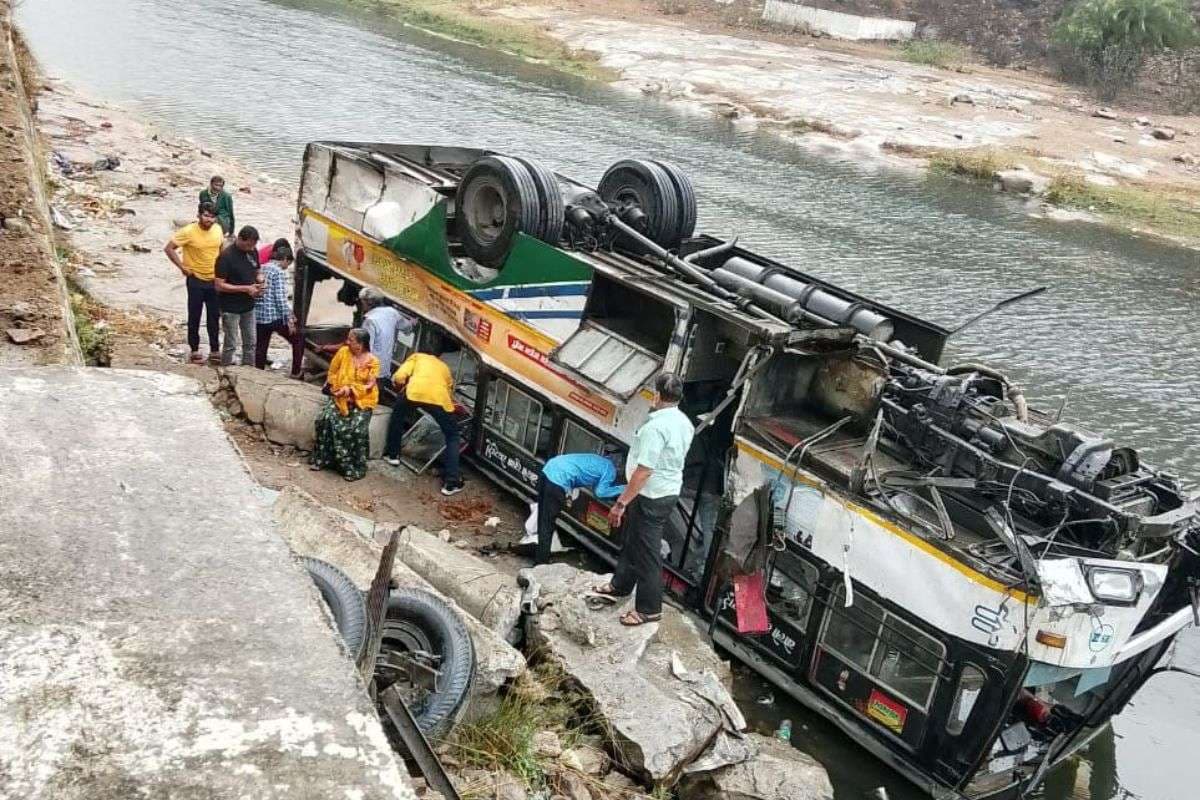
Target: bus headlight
[(1119, 586)]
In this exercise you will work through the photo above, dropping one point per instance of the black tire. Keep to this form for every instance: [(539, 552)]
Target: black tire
[(496, 198), (344, 600), (649, 187), (417, 619), (553, 209), (685, 195)]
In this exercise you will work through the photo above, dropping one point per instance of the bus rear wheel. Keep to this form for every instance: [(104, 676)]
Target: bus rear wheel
[(644, 195), (497, 198)]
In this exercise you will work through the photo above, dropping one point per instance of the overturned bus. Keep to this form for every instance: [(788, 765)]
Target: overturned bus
[(967, 586)]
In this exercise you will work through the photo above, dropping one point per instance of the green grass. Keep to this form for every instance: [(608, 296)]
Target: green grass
[(95, 339), (504, 739), (1160, 210), (934, 53), (463, 20), (979, 165)]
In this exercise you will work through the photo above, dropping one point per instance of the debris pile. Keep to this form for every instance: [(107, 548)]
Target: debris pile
[(602, 712)]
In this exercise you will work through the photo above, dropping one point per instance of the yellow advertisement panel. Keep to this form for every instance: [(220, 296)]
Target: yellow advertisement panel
[(500, 340)]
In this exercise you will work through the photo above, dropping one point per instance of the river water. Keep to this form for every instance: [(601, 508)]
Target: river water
[(1117, 330)]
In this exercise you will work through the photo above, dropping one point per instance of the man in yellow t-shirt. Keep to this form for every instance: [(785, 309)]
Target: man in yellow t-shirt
[(424, 382), (193, 249)]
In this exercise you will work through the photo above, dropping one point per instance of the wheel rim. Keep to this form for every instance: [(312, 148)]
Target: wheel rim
[(485, 208), (400, 637)]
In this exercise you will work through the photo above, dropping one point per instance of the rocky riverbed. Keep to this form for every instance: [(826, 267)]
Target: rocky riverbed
[(861, 101)]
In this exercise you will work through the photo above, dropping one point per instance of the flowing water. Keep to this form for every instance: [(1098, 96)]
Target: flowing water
[(1117, 331)]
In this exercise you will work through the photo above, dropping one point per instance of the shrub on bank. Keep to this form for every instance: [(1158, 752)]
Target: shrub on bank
[(1105, 43), (934, 53)]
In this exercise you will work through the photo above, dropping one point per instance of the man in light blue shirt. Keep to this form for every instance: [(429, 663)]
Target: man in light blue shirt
[(655, 472), (383, 322), (562, 475)]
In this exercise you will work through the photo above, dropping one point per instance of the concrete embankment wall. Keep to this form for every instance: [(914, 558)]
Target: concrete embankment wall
[(33, 292), (157, 639), (835, 23)]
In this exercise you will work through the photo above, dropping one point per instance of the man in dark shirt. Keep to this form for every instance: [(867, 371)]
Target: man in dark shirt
[(222, 200), (237, 289)]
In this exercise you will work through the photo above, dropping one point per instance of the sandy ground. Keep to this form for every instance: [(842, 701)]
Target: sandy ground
[(852, 97), (120, 218)]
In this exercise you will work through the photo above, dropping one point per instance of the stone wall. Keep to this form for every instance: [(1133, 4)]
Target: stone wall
[(836, 23)]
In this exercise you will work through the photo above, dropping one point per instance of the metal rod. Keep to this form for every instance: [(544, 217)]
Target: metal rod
[(416, 743), (377, 600)]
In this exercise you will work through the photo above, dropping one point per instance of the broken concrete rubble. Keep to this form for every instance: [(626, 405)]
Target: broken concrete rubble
[(348, 542), (658, 723), (776, 771), (287, 409), (489, 595)]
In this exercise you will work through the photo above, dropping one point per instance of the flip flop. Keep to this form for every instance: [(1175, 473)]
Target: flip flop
[(632, 619)]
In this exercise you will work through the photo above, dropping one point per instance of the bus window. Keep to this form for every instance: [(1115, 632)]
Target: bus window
[(518, 418), (790, 585), (577, 439), (885, 648), (464, 366)]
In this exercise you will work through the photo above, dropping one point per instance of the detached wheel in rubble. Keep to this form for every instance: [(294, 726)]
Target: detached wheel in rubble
[(553, 209), (685, 194), (646, 187), (344, 600), (497, 197), (422, 628)]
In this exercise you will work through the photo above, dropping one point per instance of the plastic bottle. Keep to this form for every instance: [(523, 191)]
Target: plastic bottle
[(784, 734)]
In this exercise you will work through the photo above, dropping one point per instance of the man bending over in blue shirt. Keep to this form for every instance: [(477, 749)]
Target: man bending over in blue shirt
[(562, 475)]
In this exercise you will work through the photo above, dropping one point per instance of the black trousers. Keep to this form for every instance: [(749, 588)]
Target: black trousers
[(397, 425), (550, 498), (202, 296), (640, 564)]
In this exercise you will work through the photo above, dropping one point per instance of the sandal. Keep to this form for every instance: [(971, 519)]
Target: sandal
[(196, 358), (631, 618), (607, 590)]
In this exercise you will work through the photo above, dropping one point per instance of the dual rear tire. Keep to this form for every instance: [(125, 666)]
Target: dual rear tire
[(660, 191), (501, 196)]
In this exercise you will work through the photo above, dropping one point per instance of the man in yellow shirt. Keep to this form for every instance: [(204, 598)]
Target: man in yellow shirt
[(193, 249), (424, 382)]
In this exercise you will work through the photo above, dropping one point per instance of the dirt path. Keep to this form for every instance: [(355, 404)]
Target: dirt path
[(121, 217)]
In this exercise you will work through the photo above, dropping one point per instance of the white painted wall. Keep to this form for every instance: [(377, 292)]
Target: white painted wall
[(835, 23)]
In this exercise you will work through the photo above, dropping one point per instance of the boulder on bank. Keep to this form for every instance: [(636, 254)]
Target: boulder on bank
[(777, 771), (287, 408), (347, 542), (1021, 181), (489, 595), (659, 689)]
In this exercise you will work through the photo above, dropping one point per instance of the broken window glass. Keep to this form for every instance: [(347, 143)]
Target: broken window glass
[(790, 586)]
